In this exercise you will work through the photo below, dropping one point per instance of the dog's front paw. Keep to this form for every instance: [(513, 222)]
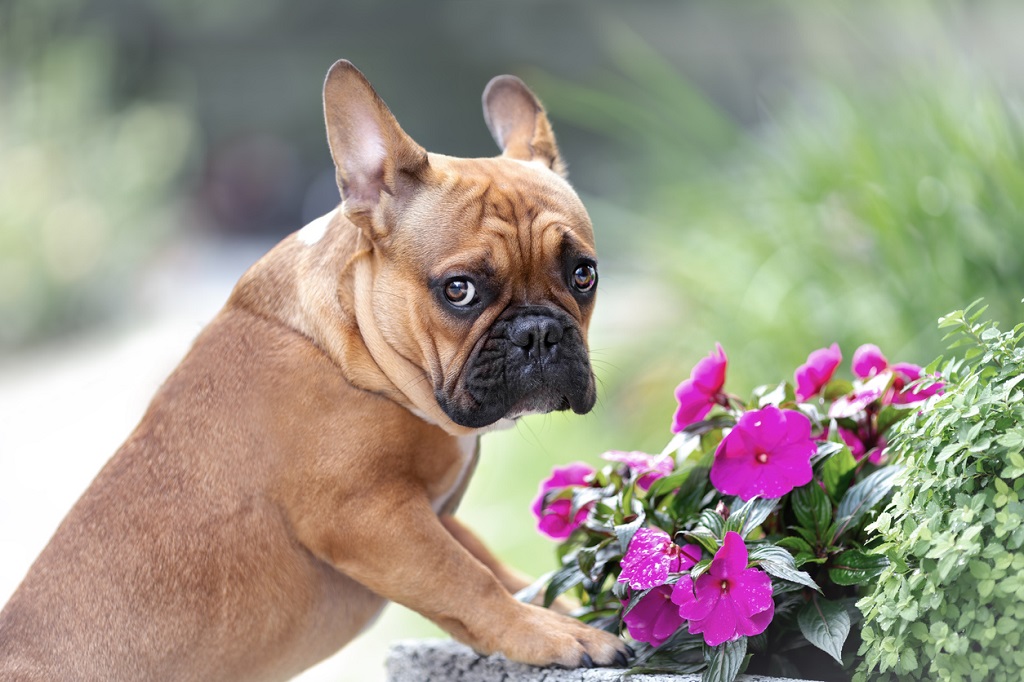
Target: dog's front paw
[(546, 638)]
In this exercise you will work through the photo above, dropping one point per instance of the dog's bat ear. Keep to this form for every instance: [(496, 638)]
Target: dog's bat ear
[(372, 154), (518, 123)]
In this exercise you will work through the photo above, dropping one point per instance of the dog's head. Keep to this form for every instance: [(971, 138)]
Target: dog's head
[(484, 272)]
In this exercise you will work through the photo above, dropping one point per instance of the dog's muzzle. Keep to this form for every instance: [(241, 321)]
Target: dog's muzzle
[(534, 360)]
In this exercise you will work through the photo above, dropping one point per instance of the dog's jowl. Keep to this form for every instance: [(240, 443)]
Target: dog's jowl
[(301, 465)]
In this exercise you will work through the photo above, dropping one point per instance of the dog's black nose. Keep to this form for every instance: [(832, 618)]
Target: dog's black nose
[(537, 335)]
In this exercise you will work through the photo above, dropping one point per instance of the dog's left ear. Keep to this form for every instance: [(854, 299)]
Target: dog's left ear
[(518, 123)]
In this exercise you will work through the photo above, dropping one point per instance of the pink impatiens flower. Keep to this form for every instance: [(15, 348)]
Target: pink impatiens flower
[(864, 442), (868, 361), (767, 453), (647, 468), (812, 376), (698, 394), (555, 519), (862, 396), (905, 373), (654, 618), (651, 556), (728, 601)]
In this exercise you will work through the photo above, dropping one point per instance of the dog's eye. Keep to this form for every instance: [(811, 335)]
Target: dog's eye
[(460, 292), (584, 277)]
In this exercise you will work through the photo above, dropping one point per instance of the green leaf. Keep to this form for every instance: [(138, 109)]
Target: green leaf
[(854, 567), (750, 515), (837, 472), (725, 661), (774, 395), (586, 559), (795, 544), (530, 592), (812, 508), (713, 522), (690, 496), (565, 579), (786, 570), (624, 532), (861, 498), (826, 625)]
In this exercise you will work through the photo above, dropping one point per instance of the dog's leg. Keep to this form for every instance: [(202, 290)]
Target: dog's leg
[(512, 579), (414, 560)]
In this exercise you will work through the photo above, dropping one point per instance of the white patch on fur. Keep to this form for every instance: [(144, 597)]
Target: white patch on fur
[(316, 229), (467, 449)]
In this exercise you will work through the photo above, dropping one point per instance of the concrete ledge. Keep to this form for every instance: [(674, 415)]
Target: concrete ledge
[(436, 660)]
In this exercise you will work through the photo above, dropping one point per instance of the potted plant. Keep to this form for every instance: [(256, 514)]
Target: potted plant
[(743, 545)]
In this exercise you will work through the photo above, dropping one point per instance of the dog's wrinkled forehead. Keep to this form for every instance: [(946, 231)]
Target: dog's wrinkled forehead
[(508, 210)]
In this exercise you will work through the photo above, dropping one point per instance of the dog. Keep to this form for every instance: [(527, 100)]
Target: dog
[(301, 465)]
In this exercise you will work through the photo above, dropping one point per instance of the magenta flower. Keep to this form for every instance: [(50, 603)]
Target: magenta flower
[(555, 519), (812, 376), (698, 394), (646, 468), (863, 395), (728, 601), (651, 556), (654, 618), (767, 453), (864, 442), (903, 374), (868, 361)]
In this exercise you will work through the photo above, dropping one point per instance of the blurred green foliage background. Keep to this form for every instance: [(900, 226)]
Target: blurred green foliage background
[(774, 176)]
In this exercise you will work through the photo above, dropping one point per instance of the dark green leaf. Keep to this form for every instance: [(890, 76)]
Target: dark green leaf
[(861, 498), (586, 558), (786, 570), (750, 515), (691, 492), (837, 472), (854, 567), (565, 579), (812, 508), (725, 661), (826, 625)]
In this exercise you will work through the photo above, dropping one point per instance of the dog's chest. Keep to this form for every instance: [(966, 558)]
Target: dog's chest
[(455, 482)]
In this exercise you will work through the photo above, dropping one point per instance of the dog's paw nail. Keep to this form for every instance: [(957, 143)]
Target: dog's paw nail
[(629, 650), (587, 661), (620, 659)]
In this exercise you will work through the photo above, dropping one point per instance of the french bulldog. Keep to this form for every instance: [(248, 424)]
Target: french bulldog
[(301, 465)]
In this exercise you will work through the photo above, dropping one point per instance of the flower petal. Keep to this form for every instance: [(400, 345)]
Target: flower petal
[(731, 557), (720, 624), (751, 592), (868, 361), (709, 373), (694, 405), (647, 559)]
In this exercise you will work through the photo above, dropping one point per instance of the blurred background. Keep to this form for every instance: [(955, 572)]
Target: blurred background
[(775, 176)]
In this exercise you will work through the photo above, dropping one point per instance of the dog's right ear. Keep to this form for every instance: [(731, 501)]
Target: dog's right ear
[(372, 154)]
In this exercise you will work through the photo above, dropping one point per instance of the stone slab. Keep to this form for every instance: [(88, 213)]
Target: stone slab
[(436, 660)]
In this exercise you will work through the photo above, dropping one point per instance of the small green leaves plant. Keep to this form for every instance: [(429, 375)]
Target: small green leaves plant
[(950, 604)]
